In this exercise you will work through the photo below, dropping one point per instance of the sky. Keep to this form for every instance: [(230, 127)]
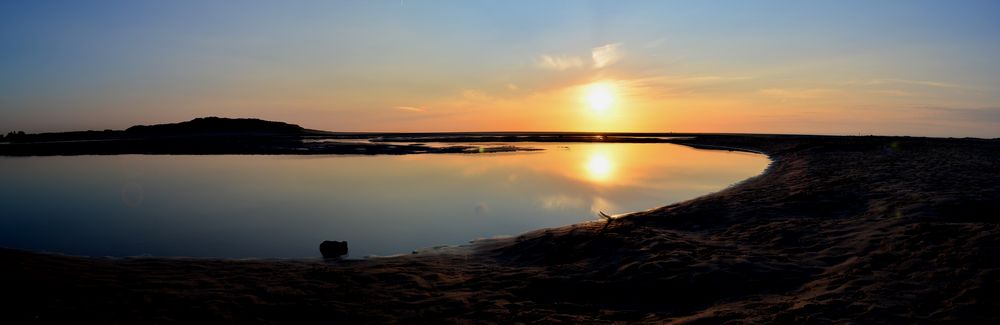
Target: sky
[(922, 68)]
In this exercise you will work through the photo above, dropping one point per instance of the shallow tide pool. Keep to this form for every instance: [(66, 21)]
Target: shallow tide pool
[(284, 206)]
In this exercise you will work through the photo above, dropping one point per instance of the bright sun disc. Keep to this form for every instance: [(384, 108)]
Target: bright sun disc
[(600, 97)]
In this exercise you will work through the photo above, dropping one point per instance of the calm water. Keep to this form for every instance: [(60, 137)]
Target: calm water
[(284, 206)]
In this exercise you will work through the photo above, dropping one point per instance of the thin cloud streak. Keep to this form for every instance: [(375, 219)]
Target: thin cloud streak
[(794, 93), (889, 81), (552, 62), (410, 109), (981, 115), (683, 85)]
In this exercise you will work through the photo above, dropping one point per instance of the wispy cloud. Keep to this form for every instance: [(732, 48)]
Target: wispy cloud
[(797, 93), (892, 92), (656, 42), (554, 62), (602, 56), (891, 81), (410, 109), (476, 95), (512, 86), (982, 115), (697, 79), (681, 85), (606, 55)]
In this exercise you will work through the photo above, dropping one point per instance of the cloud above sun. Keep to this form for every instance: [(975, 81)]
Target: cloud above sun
[(600, 56), (554, 62), (606, 55)]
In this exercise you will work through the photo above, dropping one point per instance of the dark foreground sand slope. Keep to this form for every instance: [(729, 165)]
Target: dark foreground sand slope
[(865, 229)]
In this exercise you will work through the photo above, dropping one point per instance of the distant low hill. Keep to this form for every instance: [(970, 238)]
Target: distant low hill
[(204, 125)]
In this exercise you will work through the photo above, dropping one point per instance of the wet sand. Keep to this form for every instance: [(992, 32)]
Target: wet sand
[(864, 229)]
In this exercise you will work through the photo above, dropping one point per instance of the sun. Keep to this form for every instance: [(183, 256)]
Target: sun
[(600, 97)]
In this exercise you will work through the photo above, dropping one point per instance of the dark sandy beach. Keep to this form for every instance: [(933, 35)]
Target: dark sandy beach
[(838, 229)]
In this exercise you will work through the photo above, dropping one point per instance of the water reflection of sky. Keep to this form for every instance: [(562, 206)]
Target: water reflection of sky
[(283, 206)]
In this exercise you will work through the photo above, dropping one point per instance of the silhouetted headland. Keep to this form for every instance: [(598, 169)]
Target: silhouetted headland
[(837, 230)]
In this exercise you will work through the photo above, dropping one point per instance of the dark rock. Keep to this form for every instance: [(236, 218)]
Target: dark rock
[(333, 249)]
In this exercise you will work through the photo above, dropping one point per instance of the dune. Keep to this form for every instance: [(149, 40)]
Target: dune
[(838, 229)]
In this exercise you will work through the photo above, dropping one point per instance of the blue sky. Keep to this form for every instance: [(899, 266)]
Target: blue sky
[(836, 67)]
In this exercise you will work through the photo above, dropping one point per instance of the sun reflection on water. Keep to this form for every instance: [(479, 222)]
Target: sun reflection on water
[(599, 167)]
